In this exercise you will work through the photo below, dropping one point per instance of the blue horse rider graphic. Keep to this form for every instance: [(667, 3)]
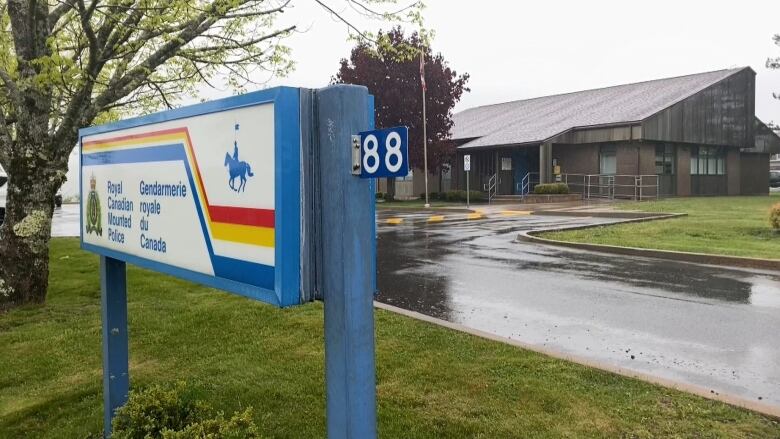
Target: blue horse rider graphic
[(237, 168)]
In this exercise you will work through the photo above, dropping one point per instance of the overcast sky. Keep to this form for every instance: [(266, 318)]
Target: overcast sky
[(515, 50)]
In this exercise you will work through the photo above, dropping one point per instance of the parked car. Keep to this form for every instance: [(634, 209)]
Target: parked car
[(774, 179), (58, 199), (3, 191)]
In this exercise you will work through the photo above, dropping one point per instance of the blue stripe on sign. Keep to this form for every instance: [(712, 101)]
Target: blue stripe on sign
[(224, 267), (163, 153)]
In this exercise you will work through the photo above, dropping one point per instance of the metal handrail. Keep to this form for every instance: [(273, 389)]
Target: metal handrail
[(524, 186), (492, 187), (612, 186)]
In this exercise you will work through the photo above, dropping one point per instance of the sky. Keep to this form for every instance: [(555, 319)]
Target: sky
[(517, 50)]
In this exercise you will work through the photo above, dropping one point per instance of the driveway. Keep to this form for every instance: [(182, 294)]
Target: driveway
[(714, 327), (65, 221)]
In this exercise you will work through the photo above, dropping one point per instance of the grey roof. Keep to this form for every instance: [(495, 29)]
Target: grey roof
[(536, 120)]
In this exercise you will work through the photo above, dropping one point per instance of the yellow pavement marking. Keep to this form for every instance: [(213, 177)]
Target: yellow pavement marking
[(436, 218), (515, 212), (395, 220), (475, 215)]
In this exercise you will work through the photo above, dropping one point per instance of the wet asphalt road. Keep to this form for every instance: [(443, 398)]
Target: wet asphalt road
[(710, 326)]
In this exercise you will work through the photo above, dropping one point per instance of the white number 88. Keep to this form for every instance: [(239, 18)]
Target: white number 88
[(393, 145), (370, 151)]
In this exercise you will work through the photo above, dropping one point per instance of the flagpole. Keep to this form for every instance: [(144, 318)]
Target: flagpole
[(425, 125)]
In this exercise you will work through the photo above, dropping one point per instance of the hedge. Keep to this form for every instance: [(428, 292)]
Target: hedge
[(551, 188)]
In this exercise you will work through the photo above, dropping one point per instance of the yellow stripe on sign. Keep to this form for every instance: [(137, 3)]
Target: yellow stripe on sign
[(475, 215), (436, 218), (260, 236), (395, 220), (515, 212)]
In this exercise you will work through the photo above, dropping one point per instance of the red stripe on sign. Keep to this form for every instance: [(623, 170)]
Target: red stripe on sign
[(242, 215)]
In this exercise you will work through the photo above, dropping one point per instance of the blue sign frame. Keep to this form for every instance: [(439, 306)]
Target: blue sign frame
[(380, 153), (286, 289)]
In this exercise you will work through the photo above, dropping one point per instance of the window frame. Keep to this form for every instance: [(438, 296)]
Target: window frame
[(708, 160)]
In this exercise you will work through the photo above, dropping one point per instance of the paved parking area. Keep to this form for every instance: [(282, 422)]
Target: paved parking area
[(713, 327), (66, 221)]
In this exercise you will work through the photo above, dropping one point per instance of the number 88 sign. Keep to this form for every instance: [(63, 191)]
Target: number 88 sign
[(384, 153)]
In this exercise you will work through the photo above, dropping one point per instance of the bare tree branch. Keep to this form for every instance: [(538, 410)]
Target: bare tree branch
[(345, 21)]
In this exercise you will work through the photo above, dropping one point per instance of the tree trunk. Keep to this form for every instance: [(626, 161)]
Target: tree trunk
[(391, 187), (26, 231)]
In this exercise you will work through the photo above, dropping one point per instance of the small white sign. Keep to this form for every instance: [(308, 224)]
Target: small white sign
[(467, 162)]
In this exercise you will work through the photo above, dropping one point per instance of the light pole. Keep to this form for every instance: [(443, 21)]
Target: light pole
[(425, 128)]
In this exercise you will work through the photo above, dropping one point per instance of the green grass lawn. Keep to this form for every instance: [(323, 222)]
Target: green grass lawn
[(735, 226), (233, 353)]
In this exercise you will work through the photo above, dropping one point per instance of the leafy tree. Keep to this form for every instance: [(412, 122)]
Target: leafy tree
[(391, 71), (65, 64)]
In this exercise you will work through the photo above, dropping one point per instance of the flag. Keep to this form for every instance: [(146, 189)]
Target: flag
[(422, 71)]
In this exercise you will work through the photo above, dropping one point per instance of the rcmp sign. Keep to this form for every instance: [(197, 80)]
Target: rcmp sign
[(199, 193)]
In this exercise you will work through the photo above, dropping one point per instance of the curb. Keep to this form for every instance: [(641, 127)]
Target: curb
[(689, 257), (604, 214), (438, 218), (734, 400)]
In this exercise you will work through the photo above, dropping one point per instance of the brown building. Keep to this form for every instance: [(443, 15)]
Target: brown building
[(688, 135)]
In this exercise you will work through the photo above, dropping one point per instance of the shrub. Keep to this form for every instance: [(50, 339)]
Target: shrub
[(774, 217), (389, 197), (240, 426), (380, 195), (460, 196), (551, 188), (476, 196), (169, 413), (433, 195), (455, 196)]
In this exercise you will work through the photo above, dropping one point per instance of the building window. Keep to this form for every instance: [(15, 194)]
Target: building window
[(608, 160), (708, 160), (664, 160), (506, 163)]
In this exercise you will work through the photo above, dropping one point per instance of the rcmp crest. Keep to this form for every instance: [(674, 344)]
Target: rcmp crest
[(93, 210)]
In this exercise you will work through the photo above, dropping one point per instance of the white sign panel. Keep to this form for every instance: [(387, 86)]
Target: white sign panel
[(467, 162), (194, 196)]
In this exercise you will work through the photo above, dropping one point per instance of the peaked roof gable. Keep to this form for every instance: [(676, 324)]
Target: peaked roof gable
[(538, 119)]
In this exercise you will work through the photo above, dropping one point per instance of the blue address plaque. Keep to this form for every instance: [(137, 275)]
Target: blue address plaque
[(384, 153)]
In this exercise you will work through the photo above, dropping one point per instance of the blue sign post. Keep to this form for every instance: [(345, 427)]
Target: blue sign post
[(348, 267), (270, 211)]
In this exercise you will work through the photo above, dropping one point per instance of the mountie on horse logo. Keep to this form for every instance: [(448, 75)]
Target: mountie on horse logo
[(237, 168)]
